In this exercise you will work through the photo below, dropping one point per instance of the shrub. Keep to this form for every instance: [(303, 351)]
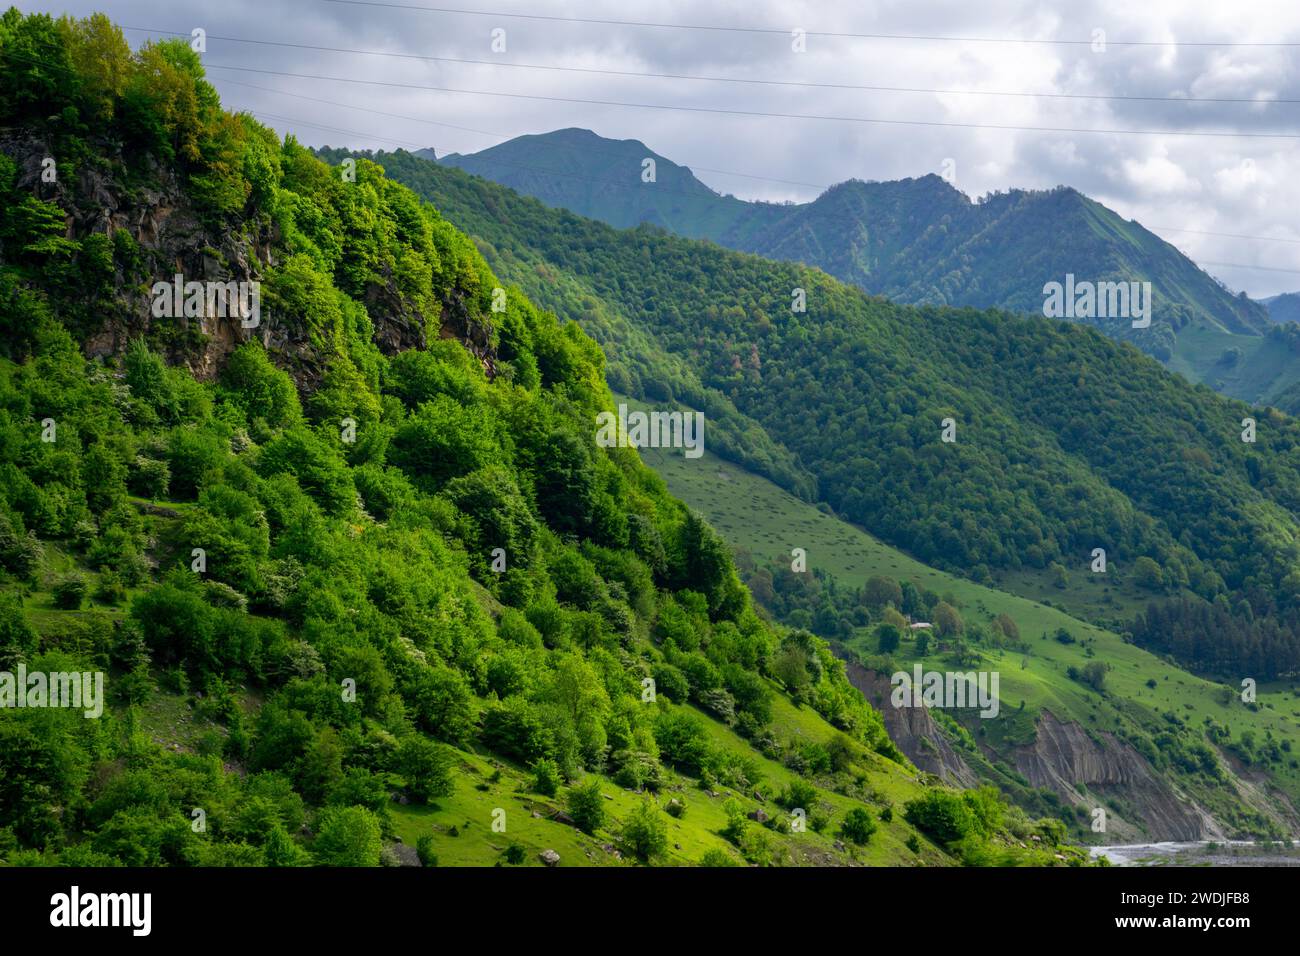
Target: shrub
[(644, 834), (426, 767), (546, 777), (587, 807), (888, 638), (424, 850), (348, 836), (799, 793), (942, 814), (858, 826), (150, 477), (70, 592), (717, 858), (670, 682), (514, 854)]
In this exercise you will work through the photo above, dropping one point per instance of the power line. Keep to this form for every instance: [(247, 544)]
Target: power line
[(561, 173), (819, 33), (822, 187), (1121, 97), (1225, 235), (709, 195), (1221, 265), (1238, 265), (506, 137), (762, 113), (332, 129)]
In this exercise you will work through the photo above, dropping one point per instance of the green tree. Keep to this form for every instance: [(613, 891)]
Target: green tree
[(947, 622), (644, 834), (1147, 574), (888, 638), (587, 806), (880, 591), (858, 826), (426, 766), (348, 836)]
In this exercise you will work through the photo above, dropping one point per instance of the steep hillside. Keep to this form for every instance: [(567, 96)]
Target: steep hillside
[(338, 537), (922, 242), (1136, 746), (1065, 441)]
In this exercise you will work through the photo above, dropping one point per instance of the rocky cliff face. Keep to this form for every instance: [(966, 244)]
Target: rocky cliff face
[(1091, 773), (913, 730), (1087, 771), (154, 208)]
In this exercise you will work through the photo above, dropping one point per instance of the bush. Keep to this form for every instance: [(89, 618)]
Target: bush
[(587, 807), (426, 767), (20, 552), (424, 850), (888, 638), (717, 858), (858, 826), (70, 592), (670, 682), (942, 814), (644, 834), (546, 777), (514, 854), (799, 793), (348, 836), (150, 477)]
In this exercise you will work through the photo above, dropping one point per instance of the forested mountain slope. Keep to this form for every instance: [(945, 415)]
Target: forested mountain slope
[(922, 242), (1066, 441), (350, 560), (1094, 721)]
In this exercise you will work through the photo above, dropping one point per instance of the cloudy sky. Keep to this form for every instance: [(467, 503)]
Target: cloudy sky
[(1120, 120)]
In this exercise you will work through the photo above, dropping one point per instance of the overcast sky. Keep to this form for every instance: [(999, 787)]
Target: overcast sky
[(1189, 55)]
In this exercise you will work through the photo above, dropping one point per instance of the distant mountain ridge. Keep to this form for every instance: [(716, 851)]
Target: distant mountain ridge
[(1284, 307), (923, 242)]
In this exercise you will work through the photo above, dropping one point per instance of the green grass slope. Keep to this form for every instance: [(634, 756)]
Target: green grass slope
[(1143, 693)]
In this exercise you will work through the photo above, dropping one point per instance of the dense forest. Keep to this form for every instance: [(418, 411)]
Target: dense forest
[(1065, 440), (919, 241), (363, 543)]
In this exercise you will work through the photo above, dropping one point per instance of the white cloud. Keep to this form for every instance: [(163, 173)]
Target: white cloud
[(1164, 180)]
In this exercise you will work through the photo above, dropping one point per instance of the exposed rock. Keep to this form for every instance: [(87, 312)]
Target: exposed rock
[(909, 726), (1064, 756), (155, 208), (549, 857), (758, 816), (401, 854), (1082, 769)]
